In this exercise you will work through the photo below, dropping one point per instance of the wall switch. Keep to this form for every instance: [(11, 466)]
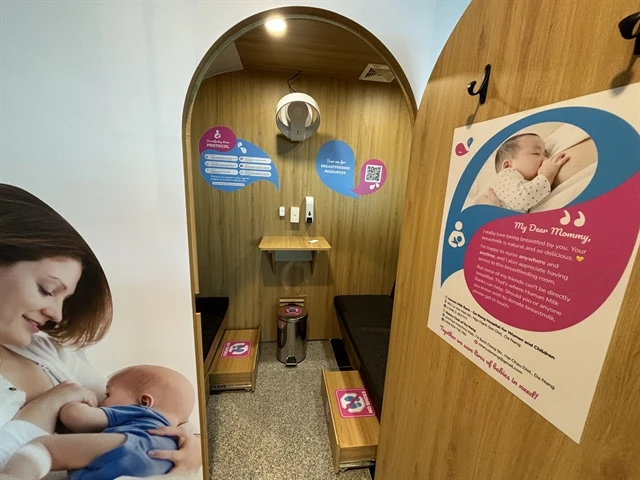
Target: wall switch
[(295, 214), (281, 212)]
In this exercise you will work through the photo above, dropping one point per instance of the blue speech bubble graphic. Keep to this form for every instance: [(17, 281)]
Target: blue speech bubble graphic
[(235, 169), (335, 165)]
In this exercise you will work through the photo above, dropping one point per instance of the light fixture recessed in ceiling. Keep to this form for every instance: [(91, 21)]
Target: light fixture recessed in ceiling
[(276, 26)]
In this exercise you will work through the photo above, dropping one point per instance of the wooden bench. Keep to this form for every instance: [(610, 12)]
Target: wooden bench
[(213, 323)]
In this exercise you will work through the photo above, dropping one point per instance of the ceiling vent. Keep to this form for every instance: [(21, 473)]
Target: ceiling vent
[(377, 73)]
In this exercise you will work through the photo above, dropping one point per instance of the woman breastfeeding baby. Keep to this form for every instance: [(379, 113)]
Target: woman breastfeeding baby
[(525, 173), (54, 299)]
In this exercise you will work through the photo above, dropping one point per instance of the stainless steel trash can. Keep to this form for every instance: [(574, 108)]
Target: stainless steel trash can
[(292, 334)]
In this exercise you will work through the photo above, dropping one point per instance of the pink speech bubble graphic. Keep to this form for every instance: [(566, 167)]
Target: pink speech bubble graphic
[(373, 174), (551, 270), (220, 139), (461, 150)]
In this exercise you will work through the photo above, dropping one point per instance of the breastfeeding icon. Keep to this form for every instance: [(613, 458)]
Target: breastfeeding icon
[(579, 222), (217, 135), (456, 238)]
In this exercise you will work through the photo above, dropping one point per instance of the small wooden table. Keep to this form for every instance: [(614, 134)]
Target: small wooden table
[(311, 245)]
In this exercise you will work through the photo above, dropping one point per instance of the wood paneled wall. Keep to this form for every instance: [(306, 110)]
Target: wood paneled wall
[(364, 233), (444, 418)]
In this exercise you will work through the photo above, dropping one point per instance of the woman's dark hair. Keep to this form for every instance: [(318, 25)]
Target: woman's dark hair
[(30, 230)]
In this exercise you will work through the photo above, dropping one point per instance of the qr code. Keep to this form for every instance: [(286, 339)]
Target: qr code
[(373, 174)]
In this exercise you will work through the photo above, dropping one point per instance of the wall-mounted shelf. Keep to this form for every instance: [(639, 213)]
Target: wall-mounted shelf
[(285, 249)]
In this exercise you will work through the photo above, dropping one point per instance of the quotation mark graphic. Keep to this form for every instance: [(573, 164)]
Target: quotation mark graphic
[(580, 221), (456, 238)]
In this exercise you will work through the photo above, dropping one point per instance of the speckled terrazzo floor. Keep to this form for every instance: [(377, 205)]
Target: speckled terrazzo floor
[(279, 431)]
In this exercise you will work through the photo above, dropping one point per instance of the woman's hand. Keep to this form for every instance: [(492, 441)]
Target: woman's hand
[(188, 457), (43, 410)]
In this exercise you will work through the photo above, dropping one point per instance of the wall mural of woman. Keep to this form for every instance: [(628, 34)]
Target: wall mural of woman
[(54, 300)]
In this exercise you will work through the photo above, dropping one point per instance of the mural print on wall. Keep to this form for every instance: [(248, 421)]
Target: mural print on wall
[(55, 301)]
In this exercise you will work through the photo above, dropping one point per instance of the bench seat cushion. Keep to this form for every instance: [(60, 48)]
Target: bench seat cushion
[(212, 311), (367, 320)]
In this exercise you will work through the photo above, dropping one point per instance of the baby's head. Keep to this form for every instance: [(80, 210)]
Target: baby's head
[(160, 388), (524, 153)]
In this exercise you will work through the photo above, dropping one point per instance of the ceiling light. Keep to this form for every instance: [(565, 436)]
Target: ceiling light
[(276, 25)]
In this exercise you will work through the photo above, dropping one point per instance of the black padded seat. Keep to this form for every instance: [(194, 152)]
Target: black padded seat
[(367, 320), (212, 311)]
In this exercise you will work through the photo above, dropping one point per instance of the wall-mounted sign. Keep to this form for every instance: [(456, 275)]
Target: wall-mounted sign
[(335, 165), (229, 163), (535, 258)]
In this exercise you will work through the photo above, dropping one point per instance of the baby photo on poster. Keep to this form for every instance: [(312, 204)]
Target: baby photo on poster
[(55, 303), (539, 234), (541, 167)]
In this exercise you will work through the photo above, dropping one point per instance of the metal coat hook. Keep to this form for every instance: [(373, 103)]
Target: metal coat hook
[(626, 27), (482, 91)]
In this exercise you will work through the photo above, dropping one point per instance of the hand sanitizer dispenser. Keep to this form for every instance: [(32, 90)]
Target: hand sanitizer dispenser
[(308, 211)]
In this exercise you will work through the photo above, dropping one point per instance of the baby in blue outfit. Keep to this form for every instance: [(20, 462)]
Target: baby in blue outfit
[(139, 399)]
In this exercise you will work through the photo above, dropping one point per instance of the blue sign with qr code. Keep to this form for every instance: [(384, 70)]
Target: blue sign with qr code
[(335, 165)]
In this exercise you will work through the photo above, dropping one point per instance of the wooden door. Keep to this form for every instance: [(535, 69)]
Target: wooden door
[(444, 418)]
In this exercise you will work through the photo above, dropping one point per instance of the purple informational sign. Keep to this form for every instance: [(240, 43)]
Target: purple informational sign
[(220, 139)]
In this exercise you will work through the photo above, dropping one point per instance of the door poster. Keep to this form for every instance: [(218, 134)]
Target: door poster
[(538, 239)]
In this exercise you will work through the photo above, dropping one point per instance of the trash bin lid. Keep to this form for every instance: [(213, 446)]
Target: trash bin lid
[(292, 313)]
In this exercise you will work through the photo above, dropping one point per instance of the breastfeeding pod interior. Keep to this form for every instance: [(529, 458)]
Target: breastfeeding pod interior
[(238, 85), (443, 417)]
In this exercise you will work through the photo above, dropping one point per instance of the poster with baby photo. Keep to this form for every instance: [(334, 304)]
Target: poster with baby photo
[(539, 235), (62, 413)]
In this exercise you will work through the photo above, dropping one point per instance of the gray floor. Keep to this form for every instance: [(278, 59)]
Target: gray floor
[(279, 431)]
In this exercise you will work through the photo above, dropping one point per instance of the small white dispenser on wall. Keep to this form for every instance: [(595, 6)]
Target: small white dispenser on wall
[(308, 211)]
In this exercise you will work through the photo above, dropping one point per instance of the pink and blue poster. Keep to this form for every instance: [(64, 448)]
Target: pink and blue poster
[(228, 163), (539, 235), (336, 166)]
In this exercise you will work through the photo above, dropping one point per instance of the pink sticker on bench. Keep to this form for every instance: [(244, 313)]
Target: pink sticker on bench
[(354, 403), (236, 349)]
